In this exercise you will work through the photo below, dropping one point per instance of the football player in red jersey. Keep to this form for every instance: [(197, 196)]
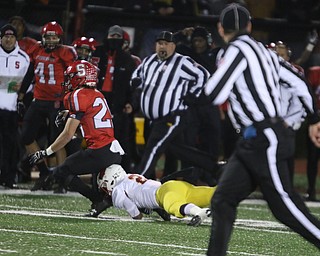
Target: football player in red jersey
[(88, 109), (85, 47), (49, 59)]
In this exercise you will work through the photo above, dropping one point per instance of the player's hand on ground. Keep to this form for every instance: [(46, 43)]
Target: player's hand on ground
[(37, 156)]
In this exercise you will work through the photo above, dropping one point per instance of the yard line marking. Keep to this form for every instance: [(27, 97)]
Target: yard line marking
[(67, 215), (119, 240), (289, 232), (2, 250), (104, 253), (99, 239), (248, 254), (243, 223)]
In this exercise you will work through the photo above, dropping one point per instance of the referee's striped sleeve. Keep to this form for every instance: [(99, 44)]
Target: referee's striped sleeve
[(231, 66), (290, 76)]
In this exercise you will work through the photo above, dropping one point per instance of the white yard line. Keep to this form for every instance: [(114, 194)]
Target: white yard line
[(75, 194), (240, 223), (8, 251), (102, 253), (99, 239), (123, 241)]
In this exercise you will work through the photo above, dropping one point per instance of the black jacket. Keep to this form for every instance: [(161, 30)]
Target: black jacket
[(121, 89)]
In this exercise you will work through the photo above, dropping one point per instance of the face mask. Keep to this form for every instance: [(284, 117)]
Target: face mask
[(115, 44)]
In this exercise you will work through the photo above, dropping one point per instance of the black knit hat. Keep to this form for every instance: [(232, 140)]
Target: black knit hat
[(8, 29), (234, 17), (166, 36), (200, 32)]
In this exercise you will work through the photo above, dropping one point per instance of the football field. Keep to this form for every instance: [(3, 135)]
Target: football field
[(42, 223)]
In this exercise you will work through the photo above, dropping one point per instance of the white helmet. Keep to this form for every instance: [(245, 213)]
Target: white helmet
[(110, 177)]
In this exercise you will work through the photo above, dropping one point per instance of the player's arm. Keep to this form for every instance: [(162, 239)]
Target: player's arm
[(66, 135), (121, 201), (27, 80)]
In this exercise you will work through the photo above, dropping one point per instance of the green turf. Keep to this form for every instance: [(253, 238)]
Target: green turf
[(54, 225)]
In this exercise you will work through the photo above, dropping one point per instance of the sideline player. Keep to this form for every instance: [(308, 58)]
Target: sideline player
[(49, 60)]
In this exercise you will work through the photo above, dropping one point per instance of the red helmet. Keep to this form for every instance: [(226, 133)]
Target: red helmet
[(271, 46), (84, 42), (81, 74), (51, 33), (277, 46), (85, 47)]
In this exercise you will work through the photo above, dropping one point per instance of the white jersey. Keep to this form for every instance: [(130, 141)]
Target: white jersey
[(135, 192), (13, 67)]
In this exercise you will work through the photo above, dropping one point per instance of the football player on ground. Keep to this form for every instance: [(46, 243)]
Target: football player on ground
[(132, 192)]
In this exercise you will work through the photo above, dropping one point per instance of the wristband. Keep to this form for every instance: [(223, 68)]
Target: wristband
[(310, 47), (49, 151)]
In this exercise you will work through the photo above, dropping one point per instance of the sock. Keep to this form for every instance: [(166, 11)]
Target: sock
[(78, 185), (192, 209)]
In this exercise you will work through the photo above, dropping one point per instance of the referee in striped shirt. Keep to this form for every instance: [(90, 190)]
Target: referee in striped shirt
[(248, 76), (166, 80)]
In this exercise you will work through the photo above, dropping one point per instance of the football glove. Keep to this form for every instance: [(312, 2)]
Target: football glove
[(21, 108), (37, 156), (61, 118)]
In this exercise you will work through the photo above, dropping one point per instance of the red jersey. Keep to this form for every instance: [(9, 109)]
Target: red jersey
[(26, 43), (49, 70), (314, 80), (95, 117)]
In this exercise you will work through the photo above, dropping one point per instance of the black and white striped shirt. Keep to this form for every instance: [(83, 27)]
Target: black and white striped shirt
[(165, 83), (248, 76)]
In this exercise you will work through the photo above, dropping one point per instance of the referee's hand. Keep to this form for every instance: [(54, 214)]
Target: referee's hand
[(314, 133)]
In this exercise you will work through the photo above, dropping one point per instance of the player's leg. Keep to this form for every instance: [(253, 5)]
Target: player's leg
[(235, 184), (32, 123), (162, 133)]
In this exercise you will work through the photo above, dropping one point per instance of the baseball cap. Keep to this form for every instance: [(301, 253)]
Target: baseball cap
[(115, 30), (166, 36), (234, 17), (8, 29)]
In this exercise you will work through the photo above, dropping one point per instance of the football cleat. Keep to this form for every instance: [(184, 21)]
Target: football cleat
[(195, 221), (99, 207), (45, 182), (198, 219)]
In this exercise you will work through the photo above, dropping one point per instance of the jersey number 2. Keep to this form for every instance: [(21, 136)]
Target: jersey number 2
[(101, 119)]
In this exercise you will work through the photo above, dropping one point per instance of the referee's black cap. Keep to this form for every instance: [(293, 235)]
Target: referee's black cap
[(166, 36), (234, 17)]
